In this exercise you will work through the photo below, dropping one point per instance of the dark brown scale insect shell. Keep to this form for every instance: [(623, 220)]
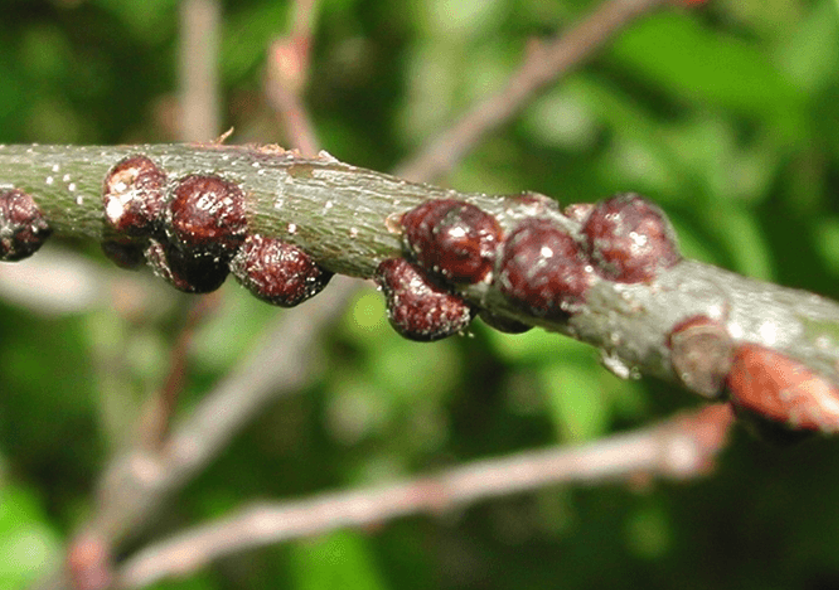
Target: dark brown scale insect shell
[(418, 309), (201, 274), (124, 254), (701, 352), (543, 271), (207, 216), (279, 273), (23, 229), (629, 239), (452, 239), (134, 196), (778, 389)]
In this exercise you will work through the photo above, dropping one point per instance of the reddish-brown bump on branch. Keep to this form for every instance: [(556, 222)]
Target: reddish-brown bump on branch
[(279, 273), (187, 273), (207, 216), (630, 239), (23, 229), (770, 386), (701, 352), (543, 271), (125, 254), (418, 308), (134, 196), (451, 238)]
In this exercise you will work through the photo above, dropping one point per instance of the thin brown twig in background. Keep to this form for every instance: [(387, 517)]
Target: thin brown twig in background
[(286, 77), (199, 95), (543, 65), (680, 447), (156, 419)]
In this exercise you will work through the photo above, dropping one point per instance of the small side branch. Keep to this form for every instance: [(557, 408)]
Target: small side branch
[(680, 448), (544, 64)]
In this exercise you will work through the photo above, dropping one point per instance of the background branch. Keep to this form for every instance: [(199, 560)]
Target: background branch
[(681, 447), (544, 63)]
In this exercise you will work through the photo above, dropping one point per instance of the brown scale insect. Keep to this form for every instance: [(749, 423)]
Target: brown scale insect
[(279, 273), (207, 217), (23, 229), (134, 196), (453, 239), (125, 254), (543, 271), (629, 239), (418, 309), (201, 274)]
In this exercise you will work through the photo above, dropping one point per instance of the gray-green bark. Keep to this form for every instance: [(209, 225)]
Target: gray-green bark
[(346, 218)]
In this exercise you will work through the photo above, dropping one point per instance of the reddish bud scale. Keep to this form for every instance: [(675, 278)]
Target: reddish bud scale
[(202, 274), (701, 352), (417, 308), (777, 388), (276, 272), (207, 216), (22, 227), (453, 239), (542, 270), (134, 196), (629, 239)]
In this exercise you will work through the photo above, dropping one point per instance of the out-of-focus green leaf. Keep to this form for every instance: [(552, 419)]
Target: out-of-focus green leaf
[(576, 401), (810, 57), (827, 242), (147, 19), (27, 543), (232, 329), (742, 236), (409, 370), (703, 66), (247, 36), (537, 346), (648, 533), (339, 560)]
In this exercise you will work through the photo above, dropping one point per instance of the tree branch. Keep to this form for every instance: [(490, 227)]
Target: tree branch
[(681, 447), (347, 219), (544, 64)]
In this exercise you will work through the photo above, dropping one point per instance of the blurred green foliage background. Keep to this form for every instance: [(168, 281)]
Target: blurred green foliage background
[(728, 116)]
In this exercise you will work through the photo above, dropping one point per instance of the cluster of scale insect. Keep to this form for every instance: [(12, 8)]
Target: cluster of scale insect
[(23, 229), (193, 232), (540, 267), (545, 270)]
